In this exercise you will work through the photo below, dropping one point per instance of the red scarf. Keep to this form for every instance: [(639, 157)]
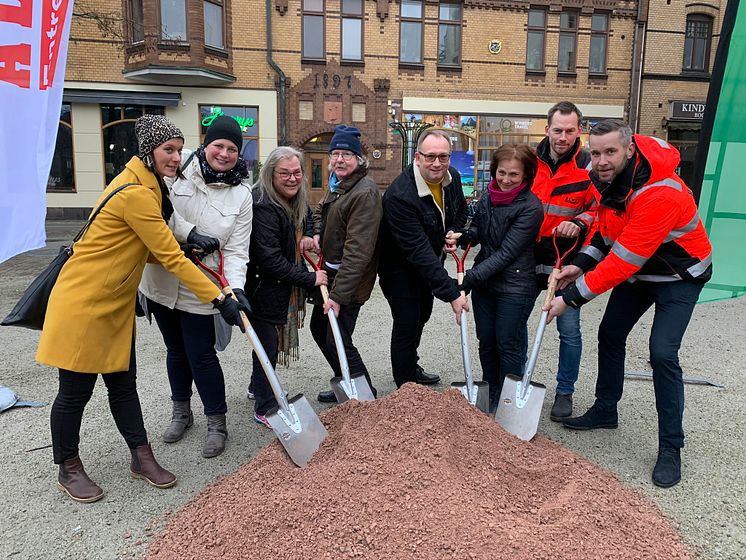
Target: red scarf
[(499, 197)]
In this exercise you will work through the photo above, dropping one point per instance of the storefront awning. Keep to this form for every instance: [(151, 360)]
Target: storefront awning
[(157, 98)]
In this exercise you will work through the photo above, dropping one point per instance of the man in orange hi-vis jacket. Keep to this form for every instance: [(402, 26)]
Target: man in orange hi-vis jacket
[(649, 245)]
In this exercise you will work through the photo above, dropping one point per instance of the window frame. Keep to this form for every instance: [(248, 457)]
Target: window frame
[(223, 22), (697, 18), (246, 137), (161, 38), (536, 29), (360, 16), (452, 23), (421, 22), (305, 12), (131, 24), (605, 35), (567, 31)]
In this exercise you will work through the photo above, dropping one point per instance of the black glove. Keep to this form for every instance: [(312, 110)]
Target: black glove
[(189, 249), (205, 242), (466, 285), (243, 301), (465, 239), (230, 311)]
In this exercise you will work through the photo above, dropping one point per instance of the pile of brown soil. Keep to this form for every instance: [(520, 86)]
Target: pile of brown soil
[(419, 474)]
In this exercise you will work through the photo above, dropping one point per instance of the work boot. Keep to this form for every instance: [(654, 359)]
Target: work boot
[(217, 433), (181, 419), (423, 378), (562, 407), (594, 418), (146, 467), (75, 482), (667, 471)]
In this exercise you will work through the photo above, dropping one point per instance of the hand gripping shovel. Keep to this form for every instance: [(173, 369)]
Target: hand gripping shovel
[(521, 401), (476, 392), (293, 420), (350, 386)]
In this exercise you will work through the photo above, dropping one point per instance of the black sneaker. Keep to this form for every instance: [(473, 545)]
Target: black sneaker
[(667, 471), (562, 407), (594, 418)]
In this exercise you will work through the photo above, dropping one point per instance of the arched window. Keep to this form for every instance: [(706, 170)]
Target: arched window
[(118, 135), (697, 43)]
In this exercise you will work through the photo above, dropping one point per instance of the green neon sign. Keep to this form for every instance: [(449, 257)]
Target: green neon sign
[(244, 123)]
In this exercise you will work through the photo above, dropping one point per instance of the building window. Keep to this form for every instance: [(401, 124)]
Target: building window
[(213, 11), (449, 34), (537, 34), (568, 42), (313, 30), (358, 112), (246, 117), (599, 41), (352, 30), (62, 173), (136, 22), (173, 20), (697, 43), (118, 135), (410, 31), (305, 110)]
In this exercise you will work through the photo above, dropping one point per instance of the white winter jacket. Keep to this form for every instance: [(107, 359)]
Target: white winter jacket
[(218, 210)]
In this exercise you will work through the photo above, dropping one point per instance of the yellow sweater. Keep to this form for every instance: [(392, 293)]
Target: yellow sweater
[(437, 191)]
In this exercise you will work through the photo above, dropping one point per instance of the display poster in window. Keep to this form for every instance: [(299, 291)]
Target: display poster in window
[(450, 121), (435, 120), (463, 161), (468, 124), (413, 117)]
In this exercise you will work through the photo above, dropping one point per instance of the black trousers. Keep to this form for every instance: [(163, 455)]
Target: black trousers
[(321, 331), (674, 304), (191, 356), (263, 395), (74, 393), (411, 305)]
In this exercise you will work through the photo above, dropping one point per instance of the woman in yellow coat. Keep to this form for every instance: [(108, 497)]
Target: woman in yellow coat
[(90, 322)]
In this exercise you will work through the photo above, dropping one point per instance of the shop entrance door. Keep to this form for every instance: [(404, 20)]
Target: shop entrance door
[(316, 168)]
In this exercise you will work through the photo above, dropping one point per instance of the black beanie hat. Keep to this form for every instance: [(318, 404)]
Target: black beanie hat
[(225, 128), (346, 138)]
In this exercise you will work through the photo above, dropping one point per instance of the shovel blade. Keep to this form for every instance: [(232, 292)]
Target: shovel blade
[(301, 432), (482, 398), (359, 389), (520, 416)]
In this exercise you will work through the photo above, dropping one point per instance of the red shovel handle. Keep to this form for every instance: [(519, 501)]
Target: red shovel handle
[(218, 274), (316, 265), (559, 257)]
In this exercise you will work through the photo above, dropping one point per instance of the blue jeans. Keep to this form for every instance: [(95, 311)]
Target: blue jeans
[(500, 321), (570, 350), (674, 304)]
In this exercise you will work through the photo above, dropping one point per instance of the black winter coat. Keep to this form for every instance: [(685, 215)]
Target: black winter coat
[(506, 234), (272, 268), (412, 233)]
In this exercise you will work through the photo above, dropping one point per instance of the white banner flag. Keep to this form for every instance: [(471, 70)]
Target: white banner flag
[(33, 50)]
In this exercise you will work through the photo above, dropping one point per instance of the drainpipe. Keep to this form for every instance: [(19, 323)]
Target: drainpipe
[(280, 75)]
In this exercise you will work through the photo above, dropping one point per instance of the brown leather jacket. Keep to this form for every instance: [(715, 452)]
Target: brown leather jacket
[(347, 221)]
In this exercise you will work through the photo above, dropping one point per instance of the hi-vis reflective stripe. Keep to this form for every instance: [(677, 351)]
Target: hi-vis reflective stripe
[(584, 289), (593, 252), (662, 143), (585, 217), (557, 210), (691, 226), (544, 269), (607, 240), (699, 268), (628, 256), (664, 183)]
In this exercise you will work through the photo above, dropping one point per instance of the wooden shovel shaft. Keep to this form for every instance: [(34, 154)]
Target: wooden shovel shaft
[(551, 289)]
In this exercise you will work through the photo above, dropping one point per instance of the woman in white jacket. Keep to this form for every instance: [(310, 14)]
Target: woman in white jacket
[(212, 210)]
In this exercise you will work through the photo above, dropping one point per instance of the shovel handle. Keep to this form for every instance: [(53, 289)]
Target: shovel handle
[(551, 287)]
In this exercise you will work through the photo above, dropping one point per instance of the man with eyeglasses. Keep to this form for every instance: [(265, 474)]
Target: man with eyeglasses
[(422, 204), (346, 228)]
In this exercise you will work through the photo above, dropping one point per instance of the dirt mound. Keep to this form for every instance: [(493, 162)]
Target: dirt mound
[(419, 474)]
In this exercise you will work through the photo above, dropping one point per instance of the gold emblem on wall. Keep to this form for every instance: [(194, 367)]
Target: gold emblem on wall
[(495, 46)]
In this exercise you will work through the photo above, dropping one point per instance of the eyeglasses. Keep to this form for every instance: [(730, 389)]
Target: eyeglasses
[(285, 175), (347, 156), (430, 158)]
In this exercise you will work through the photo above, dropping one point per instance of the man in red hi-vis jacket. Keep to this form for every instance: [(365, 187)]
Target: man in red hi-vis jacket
[(649, 245)]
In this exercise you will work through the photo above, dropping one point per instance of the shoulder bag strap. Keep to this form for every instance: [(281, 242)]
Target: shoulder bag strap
[(100, 206), (187, 162)]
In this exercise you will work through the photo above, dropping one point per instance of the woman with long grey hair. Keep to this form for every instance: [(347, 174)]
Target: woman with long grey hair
[(276, 276)]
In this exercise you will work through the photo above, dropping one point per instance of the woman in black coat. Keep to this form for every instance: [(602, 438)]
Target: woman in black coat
[(506, 223), (276, 275)]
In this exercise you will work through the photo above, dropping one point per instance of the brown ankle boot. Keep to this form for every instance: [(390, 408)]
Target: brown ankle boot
[(145, 466), (75, 482)]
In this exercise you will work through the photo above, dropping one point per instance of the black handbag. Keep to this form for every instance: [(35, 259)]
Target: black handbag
[(30, 310)]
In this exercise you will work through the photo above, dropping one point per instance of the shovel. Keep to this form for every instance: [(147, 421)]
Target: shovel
[(476, 392), (293, 421), (349, 386), (521, 400)]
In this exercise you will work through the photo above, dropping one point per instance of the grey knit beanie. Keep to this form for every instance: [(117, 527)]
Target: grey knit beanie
[(154, 130)]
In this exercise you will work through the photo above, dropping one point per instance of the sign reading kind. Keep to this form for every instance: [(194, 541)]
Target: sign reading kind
[(16, 58)]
